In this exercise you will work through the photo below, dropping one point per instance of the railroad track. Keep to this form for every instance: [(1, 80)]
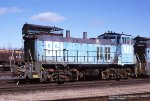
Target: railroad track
[(72, 85), (79, 91), (125, 97)]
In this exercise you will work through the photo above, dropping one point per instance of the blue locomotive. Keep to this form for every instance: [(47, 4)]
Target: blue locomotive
[(51, 56)]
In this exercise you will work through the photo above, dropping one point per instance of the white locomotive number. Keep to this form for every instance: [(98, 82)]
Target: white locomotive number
[(54, 48), (57, 46), (127, 49)]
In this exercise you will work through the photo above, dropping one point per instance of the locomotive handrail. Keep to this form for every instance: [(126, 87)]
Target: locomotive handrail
[(31, 59), (137, 57), (116, 55), (76, 58)]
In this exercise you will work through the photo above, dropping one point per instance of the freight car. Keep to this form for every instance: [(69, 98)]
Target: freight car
[(50, 56), (8, 57)]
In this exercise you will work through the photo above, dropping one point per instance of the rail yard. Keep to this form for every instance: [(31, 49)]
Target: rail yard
[(112, 66), (80, 91)]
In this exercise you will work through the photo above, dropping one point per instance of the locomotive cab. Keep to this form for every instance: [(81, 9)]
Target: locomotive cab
[(127, 50), (123, 62), (124, 47)]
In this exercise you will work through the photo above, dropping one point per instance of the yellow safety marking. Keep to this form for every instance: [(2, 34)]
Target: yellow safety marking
[(35, 76)]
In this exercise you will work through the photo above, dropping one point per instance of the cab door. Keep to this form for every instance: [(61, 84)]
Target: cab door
[(127, 56)]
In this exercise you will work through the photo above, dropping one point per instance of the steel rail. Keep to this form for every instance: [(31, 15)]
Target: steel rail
[(68, 85)]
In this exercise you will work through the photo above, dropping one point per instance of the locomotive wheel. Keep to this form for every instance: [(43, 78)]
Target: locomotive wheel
[(125, 74), (81, 75), (61, 78)]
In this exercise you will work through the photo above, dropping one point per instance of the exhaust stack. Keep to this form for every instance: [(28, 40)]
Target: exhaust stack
[(67, 33), (84, 35)]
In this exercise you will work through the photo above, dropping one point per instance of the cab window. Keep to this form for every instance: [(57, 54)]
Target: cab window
[(126, 40)]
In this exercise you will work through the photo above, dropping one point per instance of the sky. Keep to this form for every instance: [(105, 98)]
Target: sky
[(92, 16)]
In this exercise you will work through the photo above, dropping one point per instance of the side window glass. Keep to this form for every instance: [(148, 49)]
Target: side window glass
[(101, 53), (122, 40), (108, 53), (132, 41), (97, 53), (128, 40), (105, 53)]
